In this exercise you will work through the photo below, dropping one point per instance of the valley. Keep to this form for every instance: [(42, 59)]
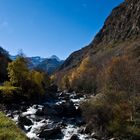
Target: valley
[(92, 95)]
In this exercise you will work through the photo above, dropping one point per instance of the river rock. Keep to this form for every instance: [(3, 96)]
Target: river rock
[(23, 120), (23, 108), (39, 112), (80, 122), (64, 96), (64, 109), (69, 109), (52, 133), (74, 137), (48, 110)]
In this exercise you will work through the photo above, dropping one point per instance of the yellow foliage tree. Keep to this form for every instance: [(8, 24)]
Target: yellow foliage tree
[(18, 72), (82, 78)]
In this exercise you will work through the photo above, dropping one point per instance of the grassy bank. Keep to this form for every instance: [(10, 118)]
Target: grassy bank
[(9, 130)]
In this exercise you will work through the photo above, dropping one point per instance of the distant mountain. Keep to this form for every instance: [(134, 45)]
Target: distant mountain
[(55, 57), (50, 64), (46, 64), (35, 61)]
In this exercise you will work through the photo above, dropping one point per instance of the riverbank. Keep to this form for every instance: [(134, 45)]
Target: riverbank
[(9, 130), (55, 119)]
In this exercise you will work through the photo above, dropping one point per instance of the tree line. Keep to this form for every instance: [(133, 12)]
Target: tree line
[(22, 83)]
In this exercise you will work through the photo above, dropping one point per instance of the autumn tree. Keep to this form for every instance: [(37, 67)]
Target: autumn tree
[(18, 72), (115, 110), (65, 82), (121, 74), (83, 78), (39, 81), (33, 84)]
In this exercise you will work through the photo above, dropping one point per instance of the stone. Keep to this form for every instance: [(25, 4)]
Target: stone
[(95, 136), (23, 120), (39, 112), (74, 137), (52, 133), (69, 109), (49, 111)]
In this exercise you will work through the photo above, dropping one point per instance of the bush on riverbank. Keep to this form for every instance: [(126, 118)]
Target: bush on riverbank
[(116, 110)]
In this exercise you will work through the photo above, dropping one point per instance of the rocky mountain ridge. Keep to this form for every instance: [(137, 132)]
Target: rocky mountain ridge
[(120, 28)]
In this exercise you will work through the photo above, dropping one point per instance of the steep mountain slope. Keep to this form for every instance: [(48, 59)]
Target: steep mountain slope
[(119, 36)]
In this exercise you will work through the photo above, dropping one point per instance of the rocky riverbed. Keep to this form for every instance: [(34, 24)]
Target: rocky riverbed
[(58, 119)]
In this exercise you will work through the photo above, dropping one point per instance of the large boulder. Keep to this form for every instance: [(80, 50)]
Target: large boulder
[(52, 133), (39, 112), (64, 109), (23, 120), (48, 110), (69, 109), (74, 137)]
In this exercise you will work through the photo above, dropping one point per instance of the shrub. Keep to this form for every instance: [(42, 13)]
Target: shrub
[(115, 111), (10, 93), (121, 74), (111, 116)]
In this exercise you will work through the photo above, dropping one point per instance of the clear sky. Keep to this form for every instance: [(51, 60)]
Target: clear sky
[(47, 27)]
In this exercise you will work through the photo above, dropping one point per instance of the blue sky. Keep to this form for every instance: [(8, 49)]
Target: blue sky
[(47, 27)]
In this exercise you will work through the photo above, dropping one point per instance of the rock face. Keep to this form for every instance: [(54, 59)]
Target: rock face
[(123, 24)]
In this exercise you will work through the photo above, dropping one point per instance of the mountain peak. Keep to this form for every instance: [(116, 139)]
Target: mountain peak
[(55, 57)]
